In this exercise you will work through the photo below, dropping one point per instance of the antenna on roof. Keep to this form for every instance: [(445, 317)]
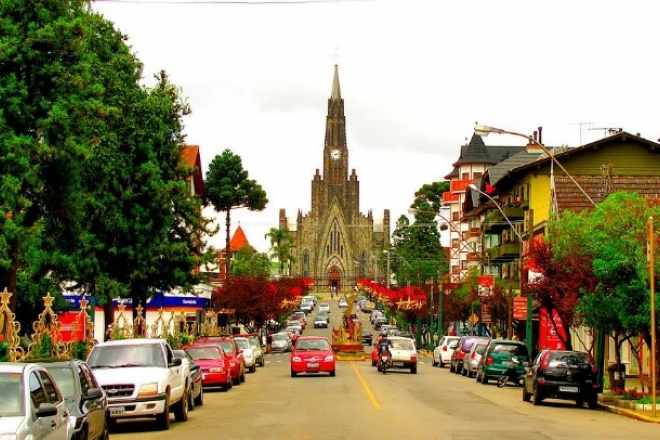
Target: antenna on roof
[(608, 131), (581, 124)]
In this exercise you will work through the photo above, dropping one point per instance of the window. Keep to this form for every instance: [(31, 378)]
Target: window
[(454, 216), (477, 175), (52, 393)]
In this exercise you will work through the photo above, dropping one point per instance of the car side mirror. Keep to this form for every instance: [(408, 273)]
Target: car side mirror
[(46, 410), (176, 362), (93, 393)]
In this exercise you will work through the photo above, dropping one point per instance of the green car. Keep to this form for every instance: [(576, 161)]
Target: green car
[(497, 356)]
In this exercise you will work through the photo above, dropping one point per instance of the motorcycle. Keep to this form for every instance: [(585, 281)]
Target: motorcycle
[(510, 374), (384, 361)]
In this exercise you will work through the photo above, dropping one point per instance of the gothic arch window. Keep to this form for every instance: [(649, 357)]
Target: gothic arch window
[(335, 241), (305, 263), (364, 261)]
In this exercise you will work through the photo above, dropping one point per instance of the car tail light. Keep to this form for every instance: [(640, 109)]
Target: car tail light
[(413, 357), (473, 355), (444, 348), (540, 381), (489, 360), (544, 360)]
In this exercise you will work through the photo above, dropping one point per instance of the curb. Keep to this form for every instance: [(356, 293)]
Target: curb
[(627, 413)]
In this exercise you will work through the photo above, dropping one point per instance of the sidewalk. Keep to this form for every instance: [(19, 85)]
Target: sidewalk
[(607, 403)]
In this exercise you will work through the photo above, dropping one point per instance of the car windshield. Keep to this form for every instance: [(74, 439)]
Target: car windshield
[(313, 345), (242, 343), (64, 379), (254, 342), (227, 346), (204, 353), (113, 356), (280, 337), (11, 403)]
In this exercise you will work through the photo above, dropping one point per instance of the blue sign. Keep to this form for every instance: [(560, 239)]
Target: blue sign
[(155, 302)]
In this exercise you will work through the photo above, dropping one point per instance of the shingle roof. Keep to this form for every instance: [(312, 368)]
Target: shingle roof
[(475, 152), (570, 198), (498, 171)]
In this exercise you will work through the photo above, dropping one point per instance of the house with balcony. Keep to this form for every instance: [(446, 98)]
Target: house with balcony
[(530, 192)]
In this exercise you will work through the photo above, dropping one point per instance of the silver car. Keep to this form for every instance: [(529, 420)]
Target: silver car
[(32, 406), (472, 358), (281, 342)]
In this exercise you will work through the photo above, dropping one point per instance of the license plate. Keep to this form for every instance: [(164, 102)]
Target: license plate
[(312, 365), (117, 411), (568, 389), (398, 364)]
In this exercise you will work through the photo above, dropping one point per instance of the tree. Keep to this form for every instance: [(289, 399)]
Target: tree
[(281, 240), (228, 187), (249, 263)]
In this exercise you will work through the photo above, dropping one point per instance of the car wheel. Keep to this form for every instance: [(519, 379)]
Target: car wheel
[(451, 367), (199, 400), (525, 395), (236, 381), (579, 402), (537, 397), (464, 372), (373, 363), (593, 402), (435, 363), (253, 368), (191, 398), (441, 364), (163, 419), (242, 378), (293, 373), (332, 373), (263, 362), (181, 408), (413, 370)]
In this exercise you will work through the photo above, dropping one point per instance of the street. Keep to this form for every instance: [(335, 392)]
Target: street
[(362, 403)]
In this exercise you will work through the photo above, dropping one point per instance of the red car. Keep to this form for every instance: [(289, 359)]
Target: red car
[(312, 354), (214, 365), (233, 354)]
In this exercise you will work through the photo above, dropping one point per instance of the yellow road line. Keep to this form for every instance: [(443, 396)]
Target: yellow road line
[(374, 402)]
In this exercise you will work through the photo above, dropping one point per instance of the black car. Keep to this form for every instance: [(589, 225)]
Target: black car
[(196, 393), (85, 399), (367, 338), (561, 374)]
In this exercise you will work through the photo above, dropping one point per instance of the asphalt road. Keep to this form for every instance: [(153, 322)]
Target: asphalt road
[(360, 403)]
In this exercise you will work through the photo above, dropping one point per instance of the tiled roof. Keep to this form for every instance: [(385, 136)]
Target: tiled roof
[(454, 173), (498, 171), (191, 158), (239, 240), (475, 152), (570, 198)]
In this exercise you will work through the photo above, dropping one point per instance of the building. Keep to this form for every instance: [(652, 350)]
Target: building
[(335, 244)]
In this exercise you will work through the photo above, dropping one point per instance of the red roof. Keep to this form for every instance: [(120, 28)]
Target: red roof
[(191, 158), (239, 240)]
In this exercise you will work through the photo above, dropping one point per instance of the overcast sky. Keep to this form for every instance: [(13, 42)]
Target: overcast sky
[(415, 77)]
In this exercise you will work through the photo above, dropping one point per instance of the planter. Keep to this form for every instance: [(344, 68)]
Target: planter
[(645, 406)]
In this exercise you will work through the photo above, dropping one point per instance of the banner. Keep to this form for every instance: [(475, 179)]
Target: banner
[(548, 336), (520, 308), (486, 283)]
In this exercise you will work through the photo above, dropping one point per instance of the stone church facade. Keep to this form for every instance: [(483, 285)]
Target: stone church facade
[(334, 243)]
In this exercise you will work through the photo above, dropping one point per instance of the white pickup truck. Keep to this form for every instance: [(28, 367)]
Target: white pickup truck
[(141, 378)]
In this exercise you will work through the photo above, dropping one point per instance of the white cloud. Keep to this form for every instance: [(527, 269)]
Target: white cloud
[(415, 76)]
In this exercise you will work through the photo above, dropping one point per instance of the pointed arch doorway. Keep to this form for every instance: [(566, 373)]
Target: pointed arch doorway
[(334, 279)]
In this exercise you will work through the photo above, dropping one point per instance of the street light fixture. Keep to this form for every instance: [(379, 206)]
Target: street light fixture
[(509, 324), (485, 130)]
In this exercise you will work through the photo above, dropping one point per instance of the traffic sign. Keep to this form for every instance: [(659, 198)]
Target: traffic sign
[(473, 319)]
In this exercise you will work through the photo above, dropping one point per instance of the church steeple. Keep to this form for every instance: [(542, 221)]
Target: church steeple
[(335, 162), (336, 91)]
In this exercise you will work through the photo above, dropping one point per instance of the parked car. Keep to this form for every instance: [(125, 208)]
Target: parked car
[(312, 354), (367, 338), (248, 353), (31, 403), (196, 393), (497, 356), (464, 344), (281, 342), (472, 358), (85, 399), (233, 354), (442, 353), (214, 364), (259, 352), (567, 375)]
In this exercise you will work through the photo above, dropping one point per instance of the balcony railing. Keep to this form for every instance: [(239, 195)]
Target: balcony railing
[(475, 232), (506, 251), (473, 256)]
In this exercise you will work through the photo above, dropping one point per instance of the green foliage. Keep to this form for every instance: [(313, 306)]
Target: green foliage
[(249, 263), (79, 350), (281, 240)]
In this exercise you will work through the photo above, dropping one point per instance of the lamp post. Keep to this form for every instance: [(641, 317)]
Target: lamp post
[(509, 329), (485, 130)]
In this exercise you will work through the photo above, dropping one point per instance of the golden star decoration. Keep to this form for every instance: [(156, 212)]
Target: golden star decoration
[(48, 300), (5, 296), (83, 304)]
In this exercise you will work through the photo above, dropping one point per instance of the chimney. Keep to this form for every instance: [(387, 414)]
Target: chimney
[(534, 135), (540, 137)]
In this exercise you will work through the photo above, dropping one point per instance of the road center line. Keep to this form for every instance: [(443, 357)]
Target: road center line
[(374, 402)]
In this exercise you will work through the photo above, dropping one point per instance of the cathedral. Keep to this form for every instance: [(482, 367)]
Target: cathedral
[(335, 244)]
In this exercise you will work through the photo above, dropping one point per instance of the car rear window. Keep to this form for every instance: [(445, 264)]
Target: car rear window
[(402, 344), (569, 357), (512, 349), (205, 353)]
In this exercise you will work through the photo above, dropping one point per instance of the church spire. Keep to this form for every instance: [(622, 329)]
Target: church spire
[(336, 91)]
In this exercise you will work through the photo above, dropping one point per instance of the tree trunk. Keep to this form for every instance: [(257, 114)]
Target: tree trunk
[(227, 249)]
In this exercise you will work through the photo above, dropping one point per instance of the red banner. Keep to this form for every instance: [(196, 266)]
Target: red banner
[(486, 283), (520, 308), (548, 336), (486, 318)]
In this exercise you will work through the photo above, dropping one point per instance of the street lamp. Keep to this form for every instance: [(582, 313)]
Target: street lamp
[(484, 130), (509, 323)]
